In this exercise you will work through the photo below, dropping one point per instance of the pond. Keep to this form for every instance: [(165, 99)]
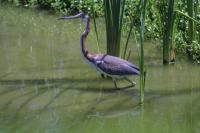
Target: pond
[(45, 86)]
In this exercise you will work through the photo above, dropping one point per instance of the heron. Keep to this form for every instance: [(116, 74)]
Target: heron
[(107, 65)]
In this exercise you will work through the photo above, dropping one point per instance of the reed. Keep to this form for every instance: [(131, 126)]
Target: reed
[(141, 53), (113, 10), (95, 26), (168, 51), (127, 40), (129, 33)]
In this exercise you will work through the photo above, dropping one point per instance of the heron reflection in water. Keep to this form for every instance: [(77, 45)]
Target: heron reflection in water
[(107, 65)]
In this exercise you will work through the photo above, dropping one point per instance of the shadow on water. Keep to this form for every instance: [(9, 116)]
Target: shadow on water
[(8, 90), (54, 97), (62, 83), (58, 82), (6, 105), (41, 90), (44, 81)]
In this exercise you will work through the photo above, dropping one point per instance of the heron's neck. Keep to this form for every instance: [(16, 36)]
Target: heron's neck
[(84, 36)]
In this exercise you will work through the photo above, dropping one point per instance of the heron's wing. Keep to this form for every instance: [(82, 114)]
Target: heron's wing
[(116, 59), (116, 66)]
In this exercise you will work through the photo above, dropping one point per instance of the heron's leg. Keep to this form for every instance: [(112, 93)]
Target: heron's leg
[(132, 83), (102, 75), (114, 81), (126, 87)]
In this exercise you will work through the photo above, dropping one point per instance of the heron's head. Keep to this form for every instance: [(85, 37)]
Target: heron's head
[(80, 15)]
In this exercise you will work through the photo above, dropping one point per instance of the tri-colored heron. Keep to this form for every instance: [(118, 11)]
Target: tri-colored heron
[(108, 65)]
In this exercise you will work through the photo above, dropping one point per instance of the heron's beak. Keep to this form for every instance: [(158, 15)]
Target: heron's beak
[(80, 15)]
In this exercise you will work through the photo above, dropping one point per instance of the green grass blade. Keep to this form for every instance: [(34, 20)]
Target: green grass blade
[(187, 16), (130, 31), (114, 10), (95, 27), (127, 40)]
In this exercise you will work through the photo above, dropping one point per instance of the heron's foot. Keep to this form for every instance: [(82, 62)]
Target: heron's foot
[(131, 82), (126, 87)]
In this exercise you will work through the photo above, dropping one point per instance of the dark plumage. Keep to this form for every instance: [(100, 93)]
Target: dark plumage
[(112, 65)]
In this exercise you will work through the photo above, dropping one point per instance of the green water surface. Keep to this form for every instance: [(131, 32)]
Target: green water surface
[(45, 86)]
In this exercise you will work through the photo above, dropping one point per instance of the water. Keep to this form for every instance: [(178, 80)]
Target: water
[(45, 87)]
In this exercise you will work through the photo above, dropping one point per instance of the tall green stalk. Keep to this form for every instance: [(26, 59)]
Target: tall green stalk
[(95, 26), (142, 71), (129, 33), (168, 34), (113, 10), (127, 40)]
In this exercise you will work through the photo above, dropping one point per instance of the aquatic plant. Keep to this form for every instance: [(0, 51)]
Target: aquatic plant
[(192, 11), (167, 17), (113, 11), (132, 26), (95, 25), (141, 53), (192, 39), (168, 48)]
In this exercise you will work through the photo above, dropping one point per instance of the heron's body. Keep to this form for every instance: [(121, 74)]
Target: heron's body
[(112, 66), (105, 64)]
